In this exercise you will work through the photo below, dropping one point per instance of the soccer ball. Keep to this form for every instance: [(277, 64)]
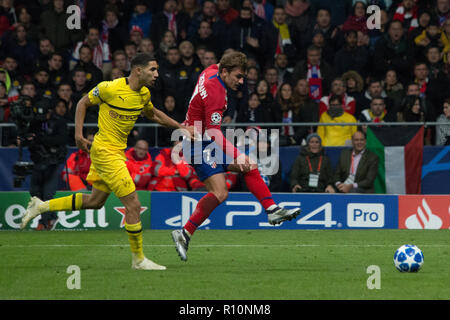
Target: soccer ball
[(408, 258)]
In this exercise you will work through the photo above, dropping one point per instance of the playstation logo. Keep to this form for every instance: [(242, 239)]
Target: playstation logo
[(188, 205)]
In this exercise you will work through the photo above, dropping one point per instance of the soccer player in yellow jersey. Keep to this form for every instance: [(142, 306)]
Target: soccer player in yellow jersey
[(121, 102)]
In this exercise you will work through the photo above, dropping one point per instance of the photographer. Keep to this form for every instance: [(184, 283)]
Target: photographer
[(46, 136)]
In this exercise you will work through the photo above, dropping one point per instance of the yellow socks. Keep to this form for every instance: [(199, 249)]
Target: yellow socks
[(135, 238), (72, 202)]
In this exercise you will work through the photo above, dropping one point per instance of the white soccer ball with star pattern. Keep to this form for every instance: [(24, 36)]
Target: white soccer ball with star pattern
[(408, 258)]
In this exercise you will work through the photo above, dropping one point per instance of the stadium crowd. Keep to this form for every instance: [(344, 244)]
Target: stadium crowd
[(309, 61)]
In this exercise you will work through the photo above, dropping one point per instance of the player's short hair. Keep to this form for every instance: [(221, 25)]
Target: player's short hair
[(233, 60), (141, 60)]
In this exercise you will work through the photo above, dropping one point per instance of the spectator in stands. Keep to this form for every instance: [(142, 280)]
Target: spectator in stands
[(305, 110), (113, 31), (263, 91), (377, 113), (323, 24), (355, 87), (283, 69), (431, 36), (316, 71), (254, 111), (446, 67), (282, 111), (77, 167), (146, 46), (13, 76), (279, 38), (338, 88), (116, 73), (141, 17), (312, 170), (42, 83), (357, 167), (174, 111), (374, 89), (120, 61), (445, 36), (435, 63), (65, 92), (188, 58), (17, 44), (131, 50), (430, 89), (53, 25), (204, 37), (406, 13), (252, 79), (174, 78), (226, 12), (424, 18), (442, 11), (81, 88), (168, 41), (80, 84), (56, 69), (413, 109), (208, 58), (12, 92), (190, 8), (26, 21), (392, 51), (93, 74), (351, 56), (357, 21), (338, 13), (246, 34), (139, 164), (170, 19), (263, 9), (443, 129), (45, 49), (376, 34), (336, 135), (218, 26), (272, 79), (298, 14), (4, 103), (8, 16), (394, 90), (29, 89), (101, 55), (171, 173), (328, 51), (136, 35)]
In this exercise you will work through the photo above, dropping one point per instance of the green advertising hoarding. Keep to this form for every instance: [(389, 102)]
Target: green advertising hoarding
[(110, 217)]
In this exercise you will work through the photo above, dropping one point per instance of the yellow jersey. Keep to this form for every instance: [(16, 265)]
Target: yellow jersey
[(334, 136), (119, 108)]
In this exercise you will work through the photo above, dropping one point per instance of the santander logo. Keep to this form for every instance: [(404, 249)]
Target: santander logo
[(423, 218), (424, 212)]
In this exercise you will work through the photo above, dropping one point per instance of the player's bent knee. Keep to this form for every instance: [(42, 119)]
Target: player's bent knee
[(221, 195), (91, 203)]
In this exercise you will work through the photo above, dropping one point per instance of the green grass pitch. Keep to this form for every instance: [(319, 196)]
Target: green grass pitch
[(228, 265)]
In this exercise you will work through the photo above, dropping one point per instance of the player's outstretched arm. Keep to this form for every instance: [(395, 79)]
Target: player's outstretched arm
[(80, 114), (160, 117)]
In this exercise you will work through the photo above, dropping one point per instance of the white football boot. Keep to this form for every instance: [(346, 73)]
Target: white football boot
[(32, 211), (145, 264)]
